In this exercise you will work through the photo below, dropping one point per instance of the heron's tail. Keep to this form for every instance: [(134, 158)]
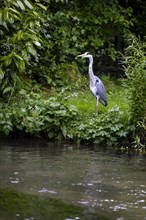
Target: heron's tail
[(104, 102)]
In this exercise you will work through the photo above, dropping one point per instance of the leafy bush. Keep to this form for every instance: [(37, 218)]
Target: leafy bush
[(73, 27), (41, 44), (6, 125), (19, 39), (134, 66), (50, 116), (108, 129), (35, 114)]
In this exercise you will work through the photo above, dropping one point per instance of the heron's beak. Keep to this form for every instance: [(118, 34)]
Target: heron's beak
[(81, 55)]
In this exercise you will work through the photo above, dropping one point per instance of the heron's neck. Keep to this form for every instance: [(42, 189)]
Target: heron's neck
[(91, 74)]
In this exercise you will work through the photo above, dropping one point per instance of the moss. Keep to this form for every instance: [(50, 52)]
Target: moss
[(19, 206), (14, 205)]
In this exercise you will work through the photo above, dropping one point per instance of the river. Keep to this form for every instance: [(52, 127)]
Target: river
[(101, 181)]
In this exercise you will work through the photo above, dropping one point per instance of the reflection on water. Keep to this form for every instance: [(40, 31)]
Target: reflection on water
[(100, 181)]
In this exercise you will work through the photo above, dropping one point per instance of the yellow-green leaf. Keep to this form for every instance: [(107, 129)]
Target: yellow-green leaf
[(3, 58), (32, 51), (13, 39), (18, 57), (5, 14), (8, 61), (19, 35), (37, 43), (1, 19), (1, 74), (22, 65), (41, 6), (36, 14), (14, 11), (28, 4), (21, 5)]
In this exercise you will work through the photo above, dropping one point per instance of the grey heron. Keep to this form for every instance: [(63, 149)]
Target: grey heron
[(96, 85)]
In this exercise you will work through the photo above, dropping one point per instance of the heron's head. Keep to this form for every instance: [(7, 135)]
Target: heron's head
[(85, 55)]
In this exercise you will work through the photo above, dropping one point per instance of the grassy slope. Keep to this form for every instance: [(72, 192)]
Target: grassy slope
[(116, 96)]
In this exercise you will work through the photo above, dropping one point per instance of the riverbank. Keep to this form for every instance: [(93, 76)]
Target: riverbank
[(69, 115)]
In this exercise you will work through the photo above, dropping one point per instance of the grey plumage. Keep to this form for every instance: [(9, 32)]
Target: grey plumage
[(96, 85), (100, 91)]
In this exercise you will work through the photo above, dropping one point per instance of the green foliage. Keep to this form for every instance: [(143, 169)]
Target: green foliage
[(105, 129), (19, 39), (70, 28), (134, 66), (55, 116), (38, 114), (62, 34), (102, 21), (34, 114), (42, 44), (6, 125)]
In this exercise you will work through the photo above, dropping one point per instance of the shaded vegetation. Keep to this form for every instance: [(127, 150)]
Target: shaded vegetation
[(14, 205), (39, 41), (69, 117), (135, 69)]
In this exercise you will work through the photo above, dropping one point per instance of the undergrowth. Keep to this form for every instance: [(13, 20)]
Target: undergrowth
[(67, 116)]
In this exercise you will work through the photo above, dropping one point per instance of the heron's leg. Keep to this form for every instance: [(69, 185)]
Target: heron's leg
[(96, 110)]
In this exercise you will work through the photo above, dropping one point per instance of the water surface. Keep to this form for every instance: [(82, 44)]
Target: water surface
[(101, 181)]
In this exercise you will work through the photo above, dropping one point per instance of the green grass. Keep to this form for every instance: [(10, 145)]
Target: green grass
[(116, 96)]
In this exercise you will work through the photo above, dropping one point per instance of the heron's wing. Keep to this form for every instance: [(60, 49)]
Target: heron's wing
[(100, 91)]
